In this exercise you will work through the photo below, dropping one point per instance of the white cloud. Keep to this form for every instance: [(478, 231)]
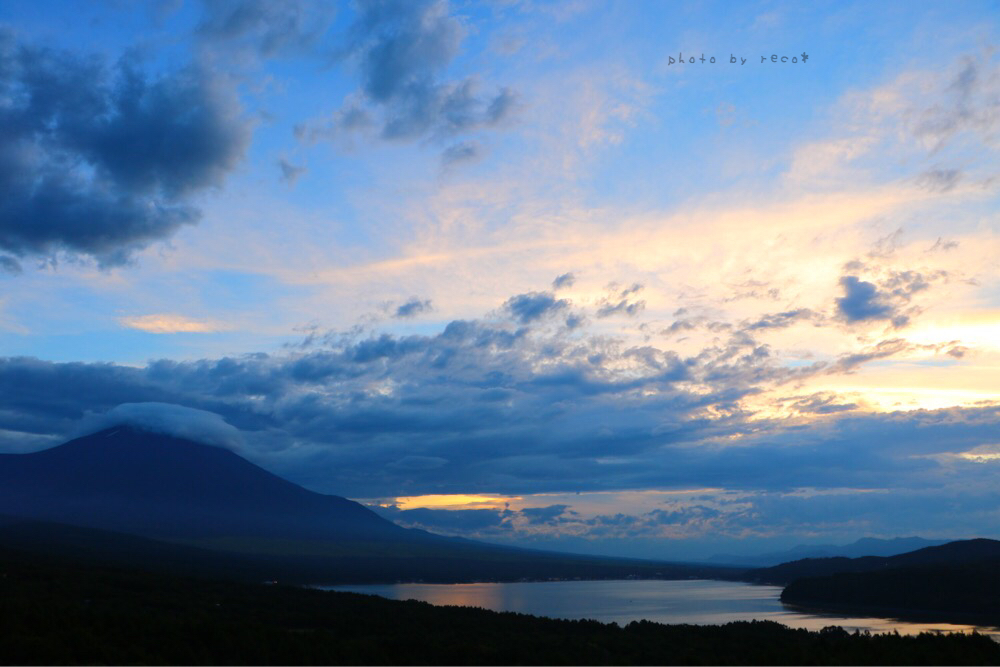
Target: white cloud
[(165, 323), (169, 419)]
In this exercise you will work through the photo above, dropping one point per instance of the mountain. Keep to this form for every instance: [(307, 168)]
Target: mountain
[(866, 546), (958, 582), (160, 486), (126, 496), (951, 554)]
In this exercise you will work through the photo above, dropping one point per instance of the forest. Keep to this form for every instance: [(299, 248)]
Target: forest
[(56, 611)]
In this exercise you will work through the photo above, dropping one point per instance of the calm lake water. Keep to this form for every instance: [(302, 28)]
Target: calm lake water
[(698, 601)]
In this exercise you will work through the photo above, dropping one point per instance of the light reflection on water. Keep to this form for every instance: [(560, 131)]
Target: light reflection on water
[(696, 601)]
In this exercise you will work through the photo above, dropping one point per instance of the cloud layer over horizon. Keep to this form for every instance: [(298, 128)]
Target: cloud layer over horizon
[(523, 405)]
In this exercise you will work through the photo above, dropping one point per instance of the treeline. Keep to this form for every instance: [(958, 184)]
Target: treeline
[(57, 612), (445, 561)]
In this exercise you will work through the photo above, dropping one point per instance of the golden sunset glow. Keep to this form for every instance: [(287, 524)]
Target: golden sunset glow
[(454, 501)]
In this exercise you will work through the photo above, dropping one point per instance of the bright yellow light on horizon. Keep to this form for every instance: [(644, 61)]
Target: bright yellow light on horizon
[(454, 501), (982, 454), (976, 330)]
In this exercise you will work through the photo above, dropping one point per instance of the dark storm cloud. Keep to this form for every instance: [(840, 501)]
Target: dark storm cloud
[(102, 164), (413, 307), (534, 305), (401, 49)]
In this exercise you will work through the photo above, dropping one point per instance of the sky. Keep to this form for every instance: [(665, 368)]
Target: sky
[(539, 273)]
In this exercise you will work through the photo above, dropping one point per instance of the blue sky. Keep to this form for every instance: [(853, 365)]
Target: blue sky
[(506, 271)]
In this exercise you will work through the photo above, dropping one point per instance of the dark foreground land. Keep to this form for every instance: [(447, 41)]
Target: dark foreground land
[(965, 593), (957, 582), (53, 611)]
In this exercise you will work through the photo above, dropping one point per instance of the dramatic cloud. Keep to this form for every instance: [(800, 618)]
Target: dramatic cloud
[(511, 404), (401, 49), (100, 165)]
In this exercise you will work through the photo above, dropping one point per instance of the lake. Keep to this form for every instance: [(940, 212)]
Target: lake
[(696, 601)]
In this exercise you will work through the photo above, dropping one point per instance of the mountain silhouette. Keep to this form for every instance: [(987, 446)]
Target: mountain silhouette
[(134, 481), (957, 582), (954, 553), (127, 496), (866, 546)]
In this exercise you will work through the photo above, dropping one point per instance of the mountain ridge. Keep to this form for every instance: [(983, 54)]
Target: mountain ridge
[(953, 553), (195, 505), (165, 487), (865, 546)]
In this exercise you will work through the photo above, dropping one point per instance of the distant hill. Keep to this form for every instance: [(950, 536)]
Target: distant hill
[(953, 553), (866, 546), (959, 581), (127, 496)]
